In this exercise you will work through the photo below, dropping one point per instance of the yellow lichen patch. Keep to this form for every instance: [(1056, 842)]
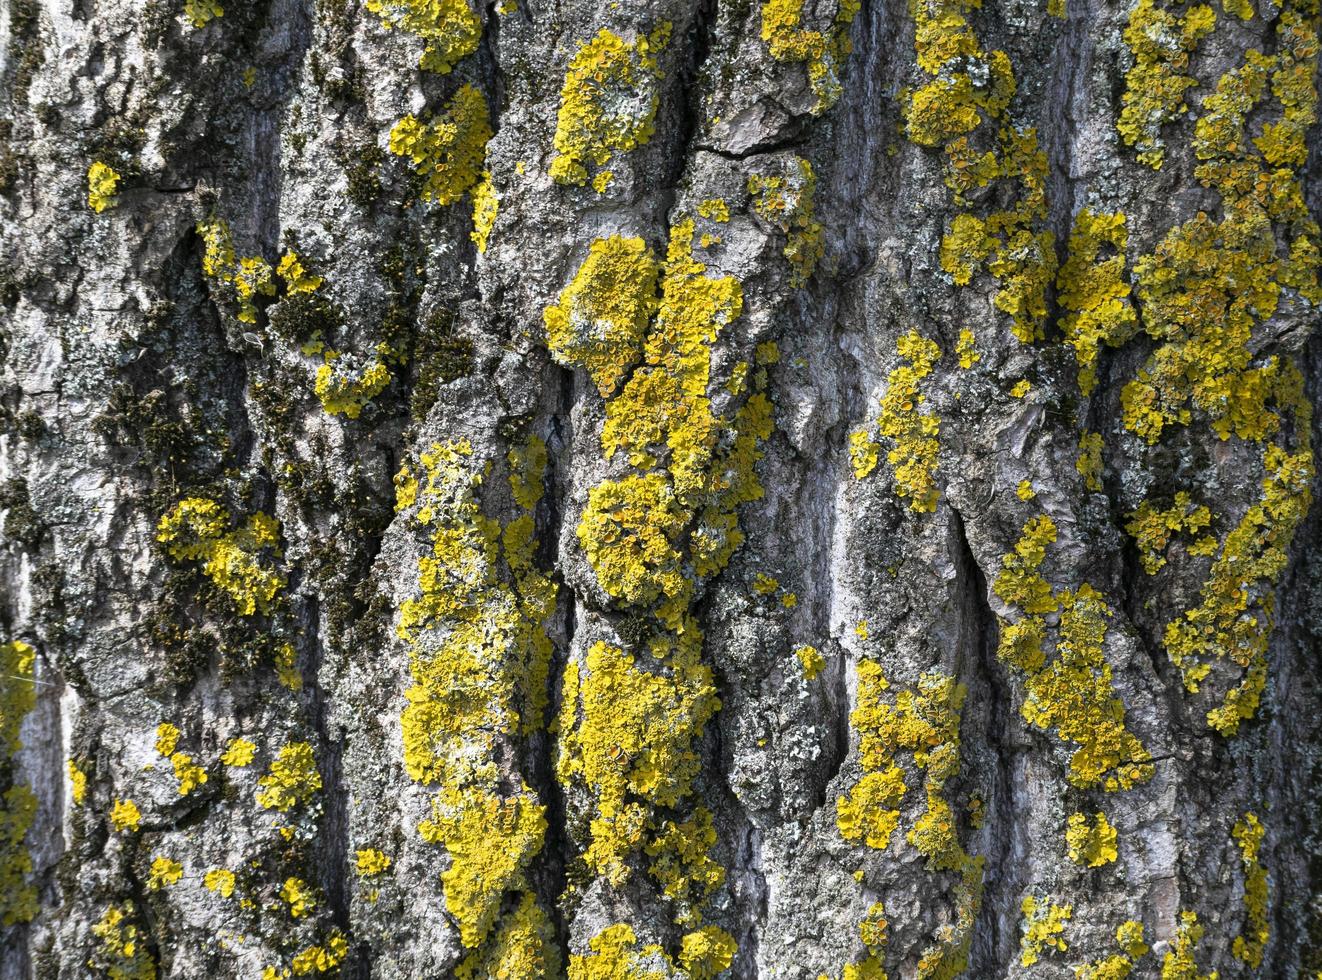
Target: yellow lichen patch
[(101, 184), (447, 151), (823, 51), (1233, 622), (1043, 925), (970, 91), (968, 354), (195, 529), (872, 931), (77, 783), (1152, 528), (121, 950), (1025, 491), (1155, 87), (486, 208), (18, 804), (1120, 965), (1179, 963), (1252, 939), (297, 278), (787, 202), (1091, 843), (1071, 693), (167, 737), (1021, 388), (608, 104), (614, 955), (631, 720), (681, 863), (523, 945), (1092, 291), (202, 12), (124, 815), (811, 660), (478, 657), (450, 29), (465, 820), (636, 737), (714, 209), (912, 432), (1089, 463), (371, 862), (253, 278), (864, 453), (164, 872), (292, 781), (321, 958), (220, 881), (924, 721), (298, 897), (601, 317), (239, 753), (345, 389)]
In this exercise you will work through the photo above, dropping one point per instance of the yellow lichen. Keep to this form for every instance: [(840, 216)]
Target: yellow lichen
[(1152, 529), (471, 630), (77, 783), (1155, 87), (1043, 924), (202, 12), (220, 881), (912, 433), (371, 862), (522, 945), (18, 804), (614, 955), (1092, 844), (292, 781), (682, 865), (810, 660), (345, 388), (486, 208), (298, 896), (608, 104), (1072, 692), (297, 278), (101, 184), (1129, 936), (450, 29), (195, 529), (164, 872), (448, 151), (122, 951), (1092, 292), (239, 753), (1179, 962), (1089, 463), (124, 815), (601, 317), (968, 354), (823, 51), (969, 94), (787, 202), (1252, 939)]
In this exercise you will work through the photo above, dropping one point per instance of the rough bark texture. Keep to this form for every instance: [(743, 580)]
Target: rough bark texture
[(847, 516)]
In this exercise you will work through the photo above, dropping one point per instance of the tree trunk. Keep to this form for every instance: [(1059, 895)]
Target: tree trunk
[(660, 488)]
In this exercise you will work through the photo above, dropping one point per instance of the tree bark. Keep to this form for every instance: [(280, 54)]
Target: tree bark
[(659, 489)]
